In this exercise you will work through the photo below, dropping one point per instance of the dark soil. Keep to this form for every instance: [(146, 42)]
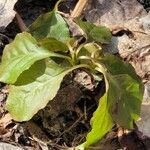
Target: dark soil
[(145, 3), (66, 120)]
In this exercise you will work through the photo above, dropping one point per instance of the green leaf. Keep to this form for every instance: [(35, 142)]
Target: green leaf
[(116, 66), (125, 96), (121, 102), (95, 33), (28, 97), (53, 45), (87, 52), (101, 122), (52, 25), (91, 50), (19, 56), (125, 91)]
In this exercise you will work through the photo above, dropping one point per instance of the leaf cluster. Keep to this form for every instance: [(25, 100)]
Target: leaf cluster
[(36, 62)]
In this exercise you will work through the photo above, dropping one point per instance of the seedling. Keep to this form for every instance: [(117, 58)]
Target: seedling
[(30, 66)]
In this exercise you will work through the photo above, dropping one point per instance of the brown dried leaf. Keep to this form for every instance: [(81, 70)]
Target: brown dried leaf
[(116, 12), (36, 131), (6, 146), (7, 119)]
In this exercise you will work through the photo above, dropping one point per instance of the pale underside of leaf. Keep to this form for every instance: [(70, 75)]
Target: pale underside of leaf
[(25, 100)]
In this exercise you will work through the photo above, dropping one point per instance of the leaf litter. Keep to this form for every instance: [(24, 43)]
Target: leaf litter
[(77, 112)]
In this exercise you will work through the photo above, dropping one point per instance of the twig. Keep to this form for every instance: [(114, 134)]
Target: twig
[(72, 126), (79, 8), (138, 49), (20, 22)]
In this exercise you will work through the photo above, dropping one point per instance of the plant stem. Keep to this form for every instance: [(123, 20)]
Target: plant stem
[(57, 5), (100, 68), (61, 56)]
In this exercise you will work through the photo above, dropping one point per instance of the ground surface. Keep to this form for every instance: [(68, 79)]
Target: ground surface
[(65, 121)]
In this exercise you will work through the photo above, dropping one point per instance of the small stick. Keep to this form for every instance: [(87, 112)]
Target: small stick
[(79, 8), (20, 22)]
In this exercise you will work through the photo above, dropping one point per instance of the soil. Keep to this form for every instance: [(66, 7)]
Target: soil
[(66, 120)]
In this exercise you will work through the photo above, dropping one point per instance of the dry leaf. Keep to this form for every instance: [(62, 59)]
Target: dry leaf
[(116, 12), (7, 119), (6, 146), (35, 131)]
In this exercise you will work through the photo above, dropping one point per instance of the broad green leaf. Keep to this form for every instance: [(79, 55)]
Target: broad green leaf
[(125, 91), (116, 66), (121, 102), (53, 45), (52, 25), (19, 56), (28, 97), (125, 96), (95, 33), (101, 122)]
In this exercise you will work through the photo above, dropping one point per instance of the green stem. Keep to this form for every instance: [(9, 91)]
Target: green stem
[(73, 55), (61, 56), (57, 4), (82, 66), (101, 68), (79, 48)]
